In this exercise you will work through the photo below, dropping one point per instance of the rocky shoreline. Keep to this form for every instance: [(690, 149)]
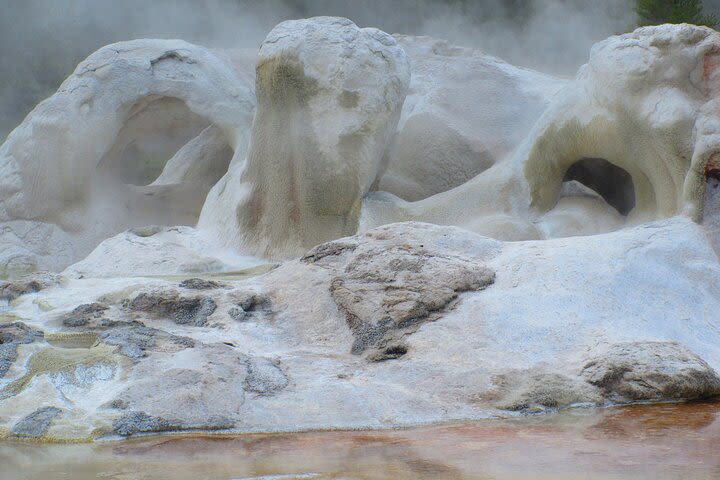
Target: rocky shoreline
[(404, 325)]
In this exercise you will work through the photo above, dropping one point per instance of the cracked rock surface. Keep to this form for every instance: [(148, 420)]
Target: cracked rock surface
[(84, 314), (30, 283), (11, 336), (388, 287), (37, 423), (183, 310), (635, 371)]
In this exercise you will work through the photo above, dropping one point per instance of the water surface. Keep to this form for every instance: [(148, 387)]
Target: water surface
[(669, 441)]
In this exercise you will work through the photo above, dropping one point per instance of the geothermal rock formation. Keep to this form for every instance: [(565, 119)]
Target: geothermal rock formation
[(80, 167), (329, 97), (367, 231), (638, 125)]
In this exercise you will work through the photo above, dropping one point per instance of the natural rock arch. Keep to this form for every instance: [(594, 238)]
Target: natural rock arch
[(123, 93), (654, 118)]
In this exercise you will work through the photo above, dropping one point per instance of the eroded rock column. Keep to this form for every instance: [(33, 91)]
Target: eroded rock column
[(329, 97)]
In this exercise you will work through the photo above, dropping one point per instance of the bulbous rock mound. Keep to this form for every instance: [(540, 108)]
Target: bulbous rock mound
[(651, 371), (465, 111), (329, 97), (646, 102)]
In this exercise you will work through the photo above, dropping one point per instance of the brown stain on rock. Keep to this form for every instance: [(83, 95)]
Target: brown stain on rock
[(348, 99)]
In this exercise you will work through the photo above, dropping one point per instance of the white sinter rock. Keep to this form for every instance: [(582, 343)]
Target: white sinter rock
[(73, 173), (644, 108), (461, 327), (329, 98), (160, 330), (464, 112)]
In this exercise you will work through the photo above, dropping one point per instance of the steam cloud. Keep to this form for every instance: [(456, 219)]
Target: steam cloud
[(41, 41)]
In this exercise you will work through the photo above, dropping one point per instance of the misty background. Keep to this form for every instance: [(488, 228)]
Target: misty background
[(41, 41)]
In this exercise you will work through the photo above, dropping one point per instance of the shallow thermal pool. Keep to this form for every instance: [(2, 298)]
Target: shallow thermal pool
[(669, 441)]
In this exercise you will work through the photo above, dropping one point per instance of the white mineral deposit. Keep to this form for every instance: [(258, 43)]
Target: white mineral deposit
[(348, 229)]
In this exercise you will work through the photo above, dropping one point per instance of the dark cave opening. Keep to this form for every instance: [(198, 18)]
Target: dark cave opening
[(611, 182)]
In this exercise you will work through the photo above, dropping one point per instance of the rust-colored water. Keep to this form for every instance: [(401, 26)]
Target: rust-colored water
[(680, 441)]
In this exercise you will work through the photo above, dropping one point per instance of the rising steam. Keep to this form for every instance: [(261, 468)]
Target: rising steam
[(41, 41)]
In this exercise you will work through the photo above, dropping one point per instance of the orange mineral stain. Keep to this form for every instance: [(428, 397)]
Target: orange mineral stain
[(664, 441)]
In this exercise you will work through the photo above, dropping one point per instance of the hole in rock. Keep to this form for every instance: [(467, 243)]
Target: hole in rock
[(611, 182), (156, 129), (163, 162), (396, 350), (391, 352)]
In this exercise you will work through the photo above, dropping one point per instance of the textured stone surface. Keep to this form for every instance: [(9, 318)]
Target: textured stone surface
[(333, 92), (136, 340), (207, 393), (451, 325), (184, 310), (12, 335), (651, 371), (535, 391), (264, 377), (545, 335), (37, 423), (30, 283), (200, 284), (139, 422), (84, 314), (248, 305), (388, 287)]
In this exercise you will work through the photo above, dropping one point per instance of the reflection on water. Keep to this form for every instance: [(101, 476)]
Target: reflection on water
[(639, 442), (241, 274)]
